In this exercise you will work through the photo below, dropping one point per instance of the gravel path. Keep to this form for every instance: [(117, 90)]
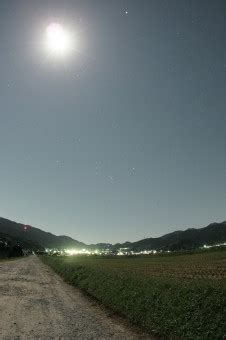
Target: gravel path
[(35, 303)]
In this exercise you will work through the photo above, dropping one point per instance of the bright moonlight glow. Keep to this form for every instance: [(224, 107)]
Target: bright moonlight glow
[(58, 40)]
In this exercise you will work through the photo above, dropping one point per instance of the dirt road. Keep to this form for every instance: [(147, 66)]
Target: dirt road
[(35, 303)]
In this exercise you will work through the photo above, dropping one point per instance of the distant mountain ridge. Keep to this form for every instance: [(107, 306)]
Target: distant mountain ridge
[(31, 237), (36, 238), (214, 233)]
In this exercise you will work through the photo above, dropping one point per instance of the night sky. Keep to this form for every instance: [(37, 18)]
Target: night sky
[(124, 137)]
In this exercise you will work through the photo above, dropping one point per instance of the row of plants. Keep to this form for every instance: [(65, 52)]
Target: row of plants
[(163, 306)]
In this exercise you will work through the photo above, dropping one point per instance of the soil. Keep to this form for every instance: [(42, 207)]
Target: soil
[(35, 303)]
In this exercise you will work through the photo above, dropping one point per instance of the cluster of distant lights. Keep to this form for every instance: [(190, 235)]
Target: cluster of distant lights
[(72, 252), (214, 245), (120, 252)]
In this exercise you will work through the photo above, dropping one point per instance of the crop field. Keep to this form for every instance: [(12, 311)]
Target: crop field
[(172, 296)]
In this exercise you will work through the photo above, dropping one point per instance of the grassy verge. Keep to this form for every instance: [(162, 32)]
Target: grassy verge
[(167, 306)]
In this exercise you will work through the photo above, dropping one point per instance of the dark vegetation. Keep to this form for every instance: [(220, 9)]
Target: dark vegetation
[(169, 296), (9, 250), (33, 238)]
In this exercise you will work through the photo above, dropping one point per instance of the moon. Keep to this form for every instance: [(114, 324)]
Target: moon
[(58, 40)]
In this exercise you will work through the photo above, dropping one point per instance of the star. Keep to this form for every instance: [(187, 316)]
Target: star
[(126, 12), (111, 178)]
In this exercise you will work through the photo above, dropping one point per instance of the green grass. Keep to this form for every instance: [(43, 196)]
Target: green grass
[(170, 296)]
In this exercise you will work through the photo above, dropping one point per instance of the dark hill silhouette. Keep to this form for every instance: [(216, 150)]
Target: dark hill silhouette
[(30, 237), (214, 233), (33, 238)]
